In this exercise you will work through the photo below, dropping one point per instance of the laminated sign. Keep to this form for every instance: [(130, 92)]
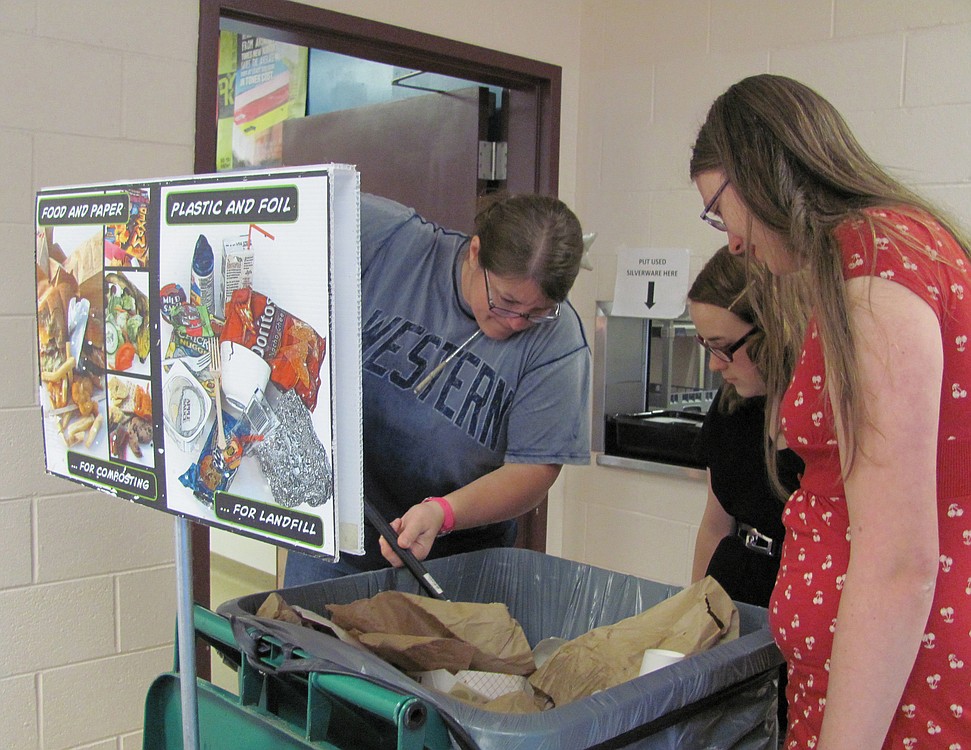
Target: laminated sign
[(194, 335), (651, 283)]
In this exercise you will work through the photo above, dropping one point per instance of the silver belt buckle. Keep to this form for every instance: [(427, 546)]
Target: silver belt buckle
[(758, 542)]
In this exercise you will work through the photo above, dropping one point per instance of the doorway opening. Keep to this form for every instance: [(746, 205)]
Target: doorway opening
[(531, 89), (527, 113)]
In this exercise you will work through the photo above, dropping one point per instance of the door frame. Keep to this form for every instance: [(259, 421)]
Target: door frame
[(534, 132), (535, 87)]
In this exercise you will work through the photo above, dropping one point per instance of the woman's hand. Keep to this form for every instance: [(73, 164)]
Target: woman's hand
[(416, 530), (500, 495)]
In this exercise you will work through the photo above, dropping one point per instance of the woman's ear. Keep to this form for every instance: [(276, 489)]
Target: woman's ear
[(757, 353), (474, 251)]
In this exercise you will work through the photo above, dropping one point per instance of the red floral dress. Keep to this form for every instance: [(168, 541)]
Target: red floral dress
[(935, 710)]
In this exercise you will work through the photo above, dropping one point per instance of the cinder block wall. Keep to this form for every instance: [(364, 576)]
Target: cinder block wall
[(899, 71), (105, 90), (95, 91)]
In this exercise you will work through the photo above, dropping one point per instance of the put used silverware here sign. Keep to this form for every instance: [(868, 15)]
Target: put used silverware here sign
[(651, 282)]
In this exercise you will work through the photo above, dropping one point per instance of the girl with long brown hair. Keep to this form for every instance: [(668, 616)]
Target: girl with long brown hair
[(872, 605)]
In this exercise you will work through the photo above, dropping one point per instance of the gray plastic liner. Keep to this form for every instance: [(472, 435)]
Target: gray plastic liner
[(722, 698)]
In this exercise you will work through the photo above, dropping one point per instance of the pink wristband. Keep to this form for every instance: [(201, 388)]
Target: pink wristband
[(449, 523)]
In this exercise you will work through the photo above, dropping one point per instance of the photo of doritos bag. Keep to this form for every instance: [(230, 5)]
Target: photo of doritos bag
[(293, 349)]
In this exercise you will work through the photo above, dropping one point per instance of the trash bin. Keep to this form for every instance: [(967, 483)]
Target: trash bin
[(725, 697)]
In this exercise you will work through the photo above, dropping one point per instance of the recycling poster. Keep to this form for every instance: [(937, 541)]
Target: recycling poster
[(190, 335)]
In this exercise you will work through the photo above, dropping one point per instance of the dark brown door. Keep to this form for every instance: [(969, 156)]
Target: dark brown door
[(421, 151)]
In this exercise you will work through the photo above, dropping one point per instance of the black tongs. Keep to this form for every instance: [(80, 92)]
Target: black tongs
[(407, 557)]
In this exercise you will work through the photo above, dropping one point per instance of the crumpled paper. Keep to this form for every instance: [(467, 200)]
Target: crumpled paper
[(418, 634), (695, 619)]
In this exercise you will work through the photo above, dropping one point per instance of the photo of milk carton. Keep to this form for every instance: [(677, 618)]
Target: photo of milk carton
[(237, 257)]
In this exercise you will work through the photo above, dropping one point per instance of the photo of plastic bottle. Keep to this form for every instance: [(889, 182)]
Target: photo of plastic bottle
[(202, 290)]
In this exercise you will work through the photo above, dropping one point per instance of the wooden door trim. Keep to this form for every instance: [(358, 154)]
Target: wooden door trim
[(325, 29)]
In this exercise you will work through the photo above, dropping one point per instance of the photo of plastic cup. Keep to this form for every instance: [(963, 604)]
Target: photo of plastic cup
[(243, 373), (655, 658)]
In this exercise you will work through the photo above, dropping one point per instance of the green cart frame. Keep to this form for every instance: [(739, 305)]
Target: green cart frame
[(286, 711)]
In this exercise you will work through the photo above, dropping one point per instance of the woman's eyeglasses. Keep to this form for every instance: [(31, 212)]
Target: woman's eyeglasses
[(714, 219), (726, 353), (547, 316)]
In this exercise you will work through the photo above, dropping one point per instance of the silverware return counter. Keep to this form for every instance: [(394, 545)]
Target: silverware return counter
[(651, 390), (662, 435)]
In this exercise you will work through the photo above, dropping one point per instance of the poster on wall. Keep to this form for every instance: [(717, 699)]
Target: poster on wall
[(261, 83), (199, 348)]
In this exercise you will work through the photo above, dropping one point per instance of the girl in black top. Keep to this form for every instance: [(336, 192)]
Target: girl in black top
[(741, 532)]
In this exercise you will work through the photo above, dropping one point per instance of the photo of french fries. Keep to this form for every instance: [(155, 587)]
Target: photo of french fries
[(70, 341), (79, 422)]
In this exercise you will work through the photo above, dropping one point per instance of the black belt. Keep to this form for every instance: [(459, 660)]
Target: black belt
[(757, 541)]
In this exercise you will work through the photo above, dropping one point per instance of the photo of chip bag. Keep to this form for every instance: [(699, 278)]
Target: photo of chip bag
[(292, 348), (215, 469), (127, 244)]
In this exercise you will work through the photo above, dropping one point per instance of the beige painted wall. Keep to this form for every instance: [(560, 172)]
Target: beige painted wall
[(899, 71), (105, 90), (93, 91)]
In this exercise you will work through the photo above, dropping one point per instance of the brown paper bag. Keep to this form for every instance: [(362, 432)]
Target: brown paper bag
[(275, 608), (516, 703), (696, 618), (416, 633)]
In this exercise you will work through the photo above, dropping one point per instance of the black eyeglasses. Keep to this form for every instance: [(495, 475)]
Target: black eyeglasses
[(726, 353), (533, 317), (713, 219)]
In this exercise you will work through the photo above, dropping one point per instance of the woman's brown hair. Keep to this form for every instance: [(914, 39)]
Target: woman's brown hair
[(724, 282), (797, 167), (533, 237)]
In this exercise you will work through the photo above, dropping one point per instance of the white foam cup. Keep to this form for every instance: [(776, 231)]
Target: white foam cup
[(655, 658), (243, 373)]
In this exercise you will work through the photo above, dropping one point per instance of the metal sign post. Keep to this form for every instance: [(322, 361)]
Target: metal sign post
[(186, 634)]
